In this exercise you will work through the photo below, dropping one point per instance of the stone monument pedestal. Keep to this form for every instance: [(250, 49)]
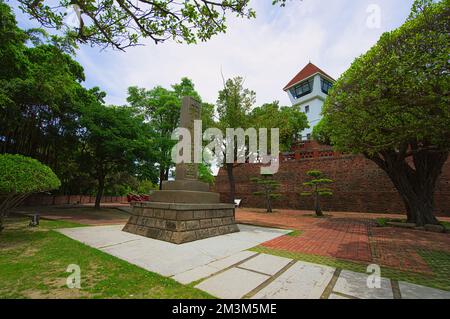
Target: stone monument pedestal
[(184, 210), (180, 223)]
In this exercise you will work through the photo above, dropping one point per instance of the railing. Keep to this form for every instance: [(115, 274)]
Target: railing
[(300, 155)]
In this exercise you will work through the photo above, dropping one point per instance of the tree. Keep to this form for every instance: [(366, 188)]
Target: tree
[(233, 106), (123, 23), (114, 139), (40, 100), (269, 186), (20, 177), (392, 105), (321, 132), (318, 180), (289, 119), (161, 108)]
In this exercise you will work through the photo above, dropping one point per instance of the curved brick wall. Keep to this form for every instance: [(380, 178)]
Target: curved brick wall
[(360, 186)]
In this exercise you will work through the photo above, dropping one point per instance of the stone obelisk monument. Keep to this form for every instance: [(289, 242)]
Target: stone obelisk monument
[(185, 210)]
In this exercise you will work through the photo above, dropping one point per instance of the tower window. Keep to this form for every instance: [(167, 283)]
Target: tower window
[(326, 85), (307, 109), (302, 89)]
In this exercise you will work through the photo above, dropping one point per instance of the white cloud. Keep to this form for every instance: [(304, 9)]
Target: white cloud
[(267, 51)]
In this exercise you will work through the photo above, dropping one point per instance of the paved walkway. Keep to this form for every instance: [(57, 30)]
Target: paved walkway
[(350, 236), (168, 259), (223, 267), (264, 276)]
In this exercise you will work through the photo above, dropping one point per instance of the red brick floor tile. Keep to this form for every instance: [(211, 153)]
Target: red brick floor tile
[(350, 236)]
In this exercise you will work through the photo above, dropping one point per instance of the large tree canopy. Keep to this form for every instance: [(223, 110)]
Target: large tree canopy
[(161, 108), (393, 106), (235, 107), (47, 114), (123, 23), (114, 139)]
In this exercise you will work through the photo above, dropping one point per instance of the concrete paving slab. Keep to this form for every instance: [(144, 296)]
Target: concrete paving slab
[(212, 268), (412, 291), (232, 260), (301, 281), (234, 283), (334, 296), (99, 236), (267, 264), (169, 259), (355, 284), (195, 274)]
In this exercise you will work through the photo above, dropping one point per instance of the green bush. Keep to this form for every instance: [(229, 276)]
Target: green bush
[(20, 177), (24, 175)]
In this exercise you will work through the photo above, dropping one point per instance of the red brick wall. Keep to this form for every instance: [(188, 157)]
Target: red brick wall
[(360, 186)]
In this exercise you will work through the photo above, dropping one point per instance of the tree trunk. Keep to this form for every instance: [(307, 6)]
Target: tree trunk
[(101, 188), (269, 202), (415, 182), (166, 174), (162, 174), (319, 212), (232, 182)]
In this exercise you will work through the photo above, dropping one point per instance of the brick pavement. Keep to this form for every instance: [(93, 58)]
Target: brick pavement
[(349, 236)]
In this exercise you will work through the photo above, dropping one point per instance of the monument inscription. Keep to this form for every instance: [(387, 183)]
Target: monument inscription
[(190, 112)]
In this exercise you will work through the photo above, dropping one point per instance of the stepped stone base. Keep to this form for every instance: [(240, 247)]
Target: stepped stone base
[(181, 223), (186, 197)]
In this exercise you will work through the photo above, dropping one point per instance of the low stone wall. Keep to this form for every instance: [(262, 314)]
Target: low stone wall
[(50, 200), (360, 186)]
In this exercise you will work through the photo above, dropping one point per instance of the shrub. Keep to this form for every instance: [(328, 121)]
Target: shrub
[(20, 177)]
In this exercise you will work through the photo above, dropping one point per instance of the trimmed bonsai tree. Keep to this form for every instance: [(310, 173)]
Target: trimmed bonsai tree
[(317, 189), (20, 177), (268, 188)]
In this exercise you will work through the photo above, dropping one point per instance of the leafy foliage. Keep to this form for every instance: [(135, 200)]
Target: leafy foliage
[(269, 187), (235, 108), (234, 104), (115, 138), (47, 114), (321, 132), (124, 23), (205, 174), (161, 108), (392, 105), (316, 185), (20, 177), (24, 175), (289, 119)]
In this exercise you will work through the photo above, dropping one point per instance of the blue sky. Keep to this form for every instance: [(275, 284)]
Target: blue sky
[(267, 51)]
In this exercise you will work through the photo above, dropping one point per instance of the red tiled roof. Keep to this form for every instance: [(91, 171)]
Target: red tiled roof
[(305, 73)]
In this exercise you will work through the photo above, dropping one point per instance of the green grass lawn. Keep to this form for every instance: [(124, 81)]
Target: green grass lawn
[(33, 263), (438, 261)]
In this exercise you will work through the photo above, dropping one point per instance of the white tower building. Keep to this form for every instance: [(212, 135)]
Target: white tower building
[(309, 89)]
